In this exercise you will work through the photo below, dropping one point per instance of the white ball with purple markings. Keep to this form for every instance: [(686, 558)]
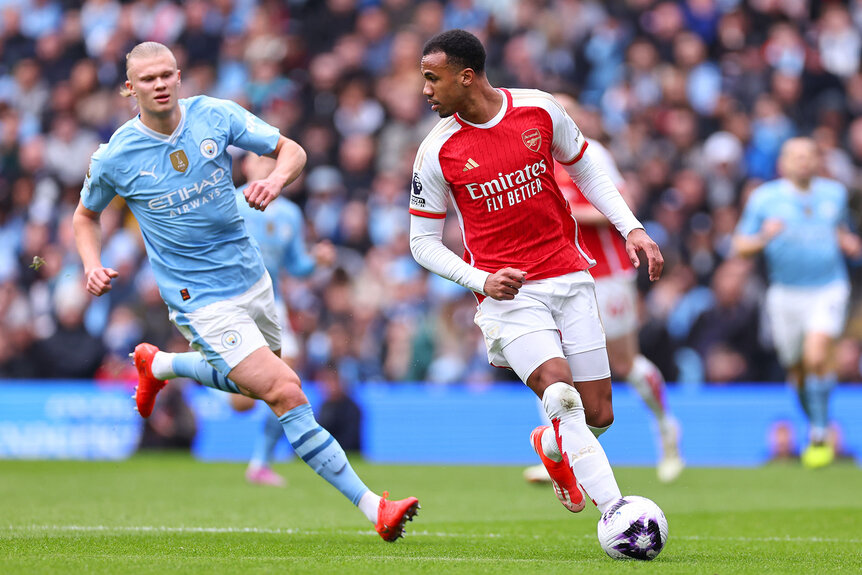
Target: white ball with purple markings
[(633, 528)]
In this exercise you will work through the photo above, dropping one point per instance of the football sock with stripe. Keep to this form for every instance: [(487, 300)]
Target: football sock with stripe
[(267, 439), (564, 407), (648, 381), (817, 392), (193, 365), (322, 452)]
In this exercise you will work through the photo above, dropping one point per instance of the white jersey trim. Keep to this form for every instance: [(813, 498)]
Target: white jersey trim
[(170, 139)]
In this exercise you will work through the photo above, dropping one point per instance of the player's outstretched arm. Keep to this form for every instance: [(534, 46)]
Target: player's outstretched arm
[(88, 238), (751, 245), (290, 159), (639, 241), (505, 283)]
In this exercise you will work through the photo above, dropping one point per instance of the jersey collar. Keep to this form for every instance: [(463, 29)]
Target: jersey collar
[(507, 105), (170, 139)]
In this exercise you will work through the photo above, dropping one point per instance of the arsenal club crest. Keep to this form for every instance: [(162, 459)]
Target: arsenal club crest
[(532, 139)]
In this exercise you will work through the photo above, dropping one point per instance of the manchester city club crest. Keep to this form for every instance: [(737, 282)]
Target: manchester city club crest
[(230, 339), (532, 139), (209, 148)]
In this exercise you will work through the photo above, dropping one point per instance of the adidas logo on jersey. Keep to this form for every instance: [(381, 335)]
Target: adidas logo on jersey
[(471, 163)]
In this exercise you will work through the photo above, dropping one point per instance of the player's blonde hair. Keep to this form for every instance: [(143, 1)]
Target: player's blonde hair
[(144, 50)]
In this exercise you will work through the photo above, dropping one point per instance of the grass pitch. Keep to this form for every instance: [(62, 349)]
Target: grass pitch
[(172, 514)]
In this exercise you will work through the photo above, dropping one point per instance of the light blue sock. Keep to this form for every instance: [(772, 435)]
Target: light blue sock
[(267, 439), (817, 392), (194, 366), (321, 452)]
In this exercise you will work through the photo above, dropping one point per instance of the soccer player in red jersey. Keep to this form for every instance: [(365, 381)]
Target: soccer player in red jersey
[(492, 154)]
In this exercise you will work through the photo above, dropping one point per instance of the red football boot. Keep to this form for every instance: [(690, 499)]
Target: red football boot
[(393, 515), (148, 386), (563, 479)]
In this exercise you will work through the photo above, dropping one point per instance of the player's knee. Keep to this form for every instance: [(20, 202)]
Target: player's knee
[(600, 418), (284, 391), (549, 373)]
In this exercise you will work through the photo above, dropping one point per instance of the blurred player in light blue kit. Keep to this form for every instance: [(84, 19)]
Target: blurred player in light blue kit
[(170, 164), (280, 234), (800, 223)]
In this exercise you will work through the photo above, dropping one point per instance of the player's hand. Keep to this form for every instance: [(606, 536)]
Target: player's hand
[(850, 243), (770, 228), (324, 253), (639, 241), (260, 193), (99, 280), (504, 284)]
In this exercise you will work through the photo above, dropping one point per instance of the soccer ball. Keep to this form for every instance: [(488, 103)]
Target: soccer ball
[(633, 528)]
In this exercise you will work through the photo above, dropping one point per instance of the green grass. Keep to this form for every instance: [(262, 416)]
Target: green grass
[(171, 514)]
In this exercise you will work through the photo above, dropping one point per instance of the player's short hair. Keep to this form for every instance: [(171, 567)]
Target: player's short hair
[(143, 50), (462, 49)]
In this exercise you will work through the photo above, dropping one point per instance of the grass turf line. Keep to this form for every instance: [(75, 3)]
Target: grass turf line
[(169, 513)]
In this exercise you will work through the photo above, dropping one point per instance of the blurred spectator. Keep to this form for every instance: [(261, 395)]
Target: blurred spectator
[(70, 352), (338, 413), (696, 98)]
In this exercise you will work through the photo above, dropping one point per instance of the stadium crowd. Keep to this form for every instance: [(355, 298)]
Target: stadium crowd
[(692, 97)]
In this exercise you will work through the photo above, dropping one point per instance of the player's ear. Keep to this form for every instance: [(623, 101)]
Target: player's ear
[(130, 89), (467, 76), (179, 75)]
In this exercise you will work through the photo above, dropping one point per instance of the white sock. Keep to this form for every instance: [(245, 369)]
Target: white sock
[(368, 504), (163, 365), (588, 460), (549, 445), (648, 381)]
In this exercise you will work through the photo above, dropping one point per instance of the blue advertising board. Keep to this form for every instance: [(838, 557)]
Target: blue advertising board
[(415, 423), (66, 420)]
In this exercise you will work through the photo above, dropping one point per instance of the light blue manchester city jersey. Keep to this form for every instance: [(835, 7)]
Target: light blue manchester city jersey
[(806, 253), (180, 189), (280, 233)]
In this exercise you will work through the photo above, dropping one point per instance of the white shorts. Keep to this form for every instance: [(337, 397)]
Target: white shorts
[(289, 341), (794, 312), (228, 331), (618, 304), (565, 305)]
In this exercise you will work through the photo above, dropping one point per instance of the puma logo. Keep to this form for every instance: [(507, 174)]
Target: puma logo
[(150, 172)]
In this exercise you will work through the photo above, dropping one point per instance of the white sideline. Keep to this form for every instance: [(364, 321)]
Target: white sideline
[(411, 534)]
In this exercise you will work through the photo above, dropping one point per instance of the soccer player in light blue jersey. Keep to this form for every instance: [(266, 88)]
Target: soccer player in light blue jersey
[(280, 234), (800, 224), (170, 165)]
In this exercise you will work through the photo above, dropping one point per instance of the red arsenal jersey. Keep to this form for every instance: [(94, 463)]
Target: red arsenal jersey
[(603, 242), (500, 179)]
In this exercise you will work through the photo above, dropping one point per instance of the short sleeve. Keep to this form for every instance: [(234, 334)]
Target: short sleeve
[(247, 131), (96, 192), (752, 218), (429, 191), (569, 143)]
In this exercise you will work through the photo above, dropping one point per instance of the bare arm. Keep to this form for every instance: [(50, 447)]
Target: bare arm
[(289, 161), (748, 246), (88, 238), (850, 243)]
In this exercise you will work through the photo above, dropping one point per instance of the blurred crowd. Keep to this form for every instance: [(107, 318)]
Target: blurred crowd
[(692, 97)]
